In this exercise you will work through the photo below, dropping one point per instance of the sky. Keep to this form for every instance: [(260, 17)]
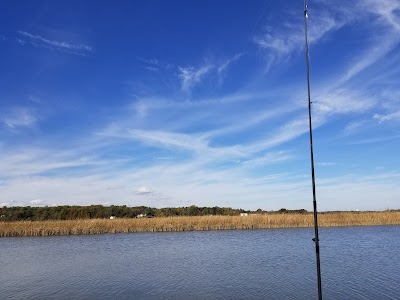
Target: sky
[(179, 103)]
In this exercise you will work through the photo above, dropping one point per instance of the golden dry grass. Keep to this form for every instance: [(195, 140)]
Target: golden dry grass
[(96, 226)]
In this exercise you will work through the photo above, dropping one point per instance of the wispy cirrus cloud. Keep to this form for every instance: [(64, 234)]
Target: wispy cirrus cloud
[(168, 139), (202, 180), (18, 117), (374, 140), (388, 10), (342, 101), (272, 157), (394, 116), (359, 191), (225, 65), (63, 46), (389, 110), (377, 50), (280, 43), (35, 161), (353, 91), (20, 41), (206, 141), (384, 27), (191, 76), (155, 64), (353, 127), (216, 125)]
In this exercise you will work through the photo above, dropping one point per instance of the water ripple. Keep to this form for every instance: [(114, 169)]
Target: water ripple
[(357, 263)]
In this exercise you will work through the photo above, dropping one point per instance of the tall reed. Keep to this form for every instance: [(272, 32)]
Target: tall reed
[(256, 221)]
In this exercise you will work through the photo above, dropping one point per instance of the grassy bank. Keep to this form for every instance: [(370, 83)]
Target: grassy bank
[(96, 226)]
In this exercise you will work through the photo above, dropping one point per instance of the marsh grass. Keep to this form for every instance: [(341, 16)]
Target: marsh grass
[(256, 221)]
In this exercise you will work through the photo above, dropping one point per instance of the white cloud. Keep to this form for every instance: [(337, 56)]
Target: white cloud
[(154, 64), (73, 48), (267, 159), (143, 190), (153, 69), (10, 203), (83, 190), (148, 104), (372, 140), (35, 161), (325, 17), (34, 99), (37, 202), (254, 119), (342, 101), (21, 42), (169, 139), (280, 43), (380, 48), (151, 61), (358, 191), (18, 117), (191, 76), (224, 66), (394, 116), (287, 132), (386, 9), (198, 184), (353, 127), (384, 30)]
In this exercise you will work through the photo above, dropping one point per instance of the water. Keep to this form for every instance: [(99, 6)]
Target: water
[(357, 263)]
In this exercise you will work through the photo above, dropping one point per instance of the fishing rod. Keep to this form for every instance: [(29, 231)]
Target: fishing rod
[(315, 239)]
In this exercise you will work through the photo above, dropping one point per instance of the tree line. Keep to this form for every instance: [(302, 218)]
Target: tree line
[(66, 212)]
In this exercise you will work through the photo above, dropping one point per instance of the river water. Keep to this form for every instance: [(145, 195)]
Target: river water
[(356, 262)]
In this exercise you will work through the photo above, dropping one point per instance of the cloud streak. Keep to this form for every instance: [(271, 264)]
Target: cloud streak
[(280, 43), (224, 66), (395, 116), (68, 47), (191, 76), (18, 117)]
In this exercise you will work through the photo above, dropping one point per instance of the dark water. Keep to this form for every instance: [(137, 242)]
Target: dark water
[(357, 263)]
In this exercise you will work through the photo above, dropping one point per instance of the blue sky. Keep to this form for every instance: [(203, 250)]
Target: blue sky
[(177, 103)]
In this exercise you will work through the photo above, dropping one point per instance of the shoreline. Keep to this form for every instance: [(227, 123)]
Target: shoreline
[(200, 223)]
